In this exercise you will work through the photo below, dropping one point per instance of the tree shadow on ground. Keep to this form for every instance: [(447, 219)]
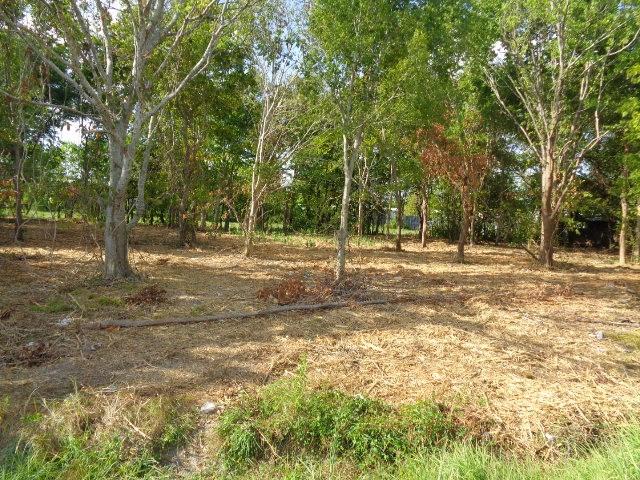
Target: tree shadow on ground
[(461, 303)]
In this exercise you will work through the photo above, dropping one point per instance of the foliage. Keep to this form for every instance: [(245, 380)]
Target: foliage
[(289, 418)]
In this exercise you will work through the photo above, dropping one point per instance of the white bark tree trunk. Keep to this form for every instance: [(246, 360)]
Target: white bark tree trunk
[(250, 226), (350, 150), (116, 233), (360, 214)]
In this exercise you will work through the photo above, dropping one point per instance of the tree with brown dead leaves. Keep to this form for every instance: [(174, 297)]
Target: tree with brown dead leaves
[(460, 162)]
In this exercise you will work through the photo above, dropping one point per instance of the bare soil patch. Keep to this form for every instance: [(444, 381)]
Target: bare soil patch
[(529, 356)]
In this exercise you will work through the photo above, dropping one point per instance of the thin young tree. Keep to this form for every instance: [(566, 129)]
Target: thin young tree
[(281, 130), (112, 53), (353, 44)]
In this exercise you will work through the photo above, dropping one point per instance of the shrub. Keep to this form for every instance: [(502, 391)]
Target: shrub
[(288, 418)]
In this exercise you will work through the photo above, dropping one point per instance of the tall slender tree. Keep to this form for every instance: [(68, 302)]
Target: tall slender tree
[(353, 43)]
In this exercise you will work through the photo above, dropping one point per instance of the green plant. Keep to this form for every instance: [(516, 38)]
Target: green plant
[(94, 437), (288, 417), (53, 305), (105, 301)]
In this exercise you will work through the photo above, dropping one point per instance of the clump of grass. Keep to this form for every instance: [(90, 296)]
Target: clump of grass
[(105, 301), (88, 436), (628, 339), (289, 418), (53, 305), (617, 459)]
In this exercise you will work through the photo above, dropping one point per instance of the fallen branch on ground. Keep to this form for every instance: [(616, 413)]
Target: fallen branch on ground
[(239, 315), (533, 255)]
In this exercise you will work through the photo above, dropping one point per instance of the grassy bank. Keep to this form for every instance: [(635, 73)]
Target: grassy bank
[(285, 430)]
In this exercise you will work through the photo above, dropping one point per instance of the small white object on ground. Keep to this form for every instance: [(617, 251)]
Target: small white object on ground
[(599, 335), (210, 407), (65, 321)]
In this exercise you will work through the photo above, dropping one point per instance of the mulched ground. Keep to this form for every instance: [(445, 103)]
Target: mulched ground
[(525, 354)]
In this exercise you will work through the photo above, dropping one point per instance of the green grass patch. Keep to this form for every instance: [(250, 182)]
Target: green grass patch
[(628, 339), (288, 430), (105, 301), (289, 418), (618, 459), (96, 437), (53, 305)]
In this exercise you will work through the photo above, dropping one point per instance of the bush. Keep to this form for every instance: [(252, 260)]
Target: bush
[(289, 418)]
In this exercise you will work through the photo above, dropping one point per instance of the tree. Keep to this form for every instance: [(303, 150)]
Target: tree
[(354, 42), (459, 162), (280, 131), (212, 110), (548, 73), (630, 130), (22, 126), (119, 84)]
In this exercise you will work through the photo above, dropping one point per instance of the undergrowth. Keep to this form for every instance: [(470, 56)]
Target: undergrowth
[(619, 459), (289, 418), (98, 437), (286, 430)]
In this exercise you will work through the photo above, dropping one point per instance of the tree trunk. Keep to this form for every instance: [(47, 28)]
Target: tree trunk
[(116, 241), (424, 218), (18, 162), (288, 213), (344, 225), (227, 221), (360, 215), (186, 227), (250, 228), (116, 231), (636, 247), (350, 153), (464, 228), (547, 218), (624, 219), (203, 220), (399, 219)]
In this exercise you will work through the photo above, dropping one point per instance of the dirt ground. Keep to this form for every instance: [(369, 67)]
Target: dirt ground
[(528, 356)]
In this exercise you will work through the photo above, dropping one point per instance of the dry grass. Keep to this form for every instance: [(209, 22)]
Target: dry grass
[(513, 346)]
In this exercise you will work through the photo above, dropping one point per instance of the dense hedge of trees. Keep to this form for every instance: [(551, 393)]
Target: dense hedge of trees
[(480, 120)]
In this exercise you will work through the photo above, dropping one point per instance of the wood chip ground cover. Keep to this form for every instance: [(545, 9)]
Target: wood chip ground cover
[(513, 347)]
